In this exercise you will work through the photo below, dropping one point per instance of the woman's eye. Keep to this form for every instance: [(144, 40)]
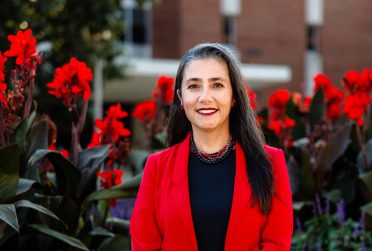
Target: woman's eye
[(218, 85), (192, 86)]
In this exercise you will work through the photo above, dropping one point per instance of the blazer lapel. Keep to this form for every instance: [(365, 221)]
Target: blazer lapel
[(180, 190), (241, 197)]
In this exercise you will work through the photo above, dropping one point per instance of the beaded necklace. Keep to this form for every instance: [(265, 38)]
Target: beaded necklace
[(211, 158)]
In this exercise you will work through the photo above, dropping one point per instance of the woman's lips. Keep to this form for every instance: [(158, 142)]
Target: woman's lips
[(206, 111)]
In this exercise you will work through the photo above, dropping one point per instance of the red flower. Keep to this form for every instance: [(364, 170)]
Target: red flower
[(278, 100), (355, 106), (355, 81), (71, 82), (322, 81), (252, 97), (110, 132), (164, 89), (333, 95), (23, 46), (115, 112), (276, 126), (109, 179), (64, 152), (2, 94), (306, 104), (145, 110), (2, 66)]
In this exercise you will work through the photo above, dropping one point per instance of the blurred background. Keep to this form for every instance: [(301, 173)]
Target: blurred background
[(129, 43)]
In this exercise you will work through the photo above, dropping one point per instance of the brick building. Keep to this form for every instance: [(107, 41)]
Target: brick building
[(281, 44)]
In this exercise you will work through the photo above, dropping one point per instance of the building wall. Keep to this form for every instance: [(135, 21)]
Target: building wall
[(346, 37), (273, 32), (270, 32)]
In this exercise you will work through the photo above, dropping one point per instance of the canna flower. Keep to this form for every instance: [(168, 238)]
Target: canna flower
[(112, 131), (278, 100), (23, 46), (3, 99), (63, 152), (333, 95), (356, 105), (115, 112), (278, 122), (356, 82), (71, 82), (145, 110), (164, 89), (3, 86), (109, 179)]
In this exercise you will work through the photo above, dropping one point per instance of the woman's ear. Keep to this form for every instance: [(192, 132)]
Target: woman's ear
[(179, 95), (233, 102)]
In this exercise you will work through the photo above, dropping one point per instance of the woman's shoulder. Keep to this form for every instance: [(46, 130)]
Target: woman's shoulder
[(276, 157), (272, 151), (165, 153)]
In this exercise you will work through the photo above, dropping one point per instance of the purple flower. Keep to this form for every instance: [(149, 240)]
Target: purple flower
[(298, 224), (341, 212)]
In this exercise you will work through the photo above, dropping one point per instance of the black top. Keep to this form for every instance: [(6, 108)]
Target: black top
[(211, 188)]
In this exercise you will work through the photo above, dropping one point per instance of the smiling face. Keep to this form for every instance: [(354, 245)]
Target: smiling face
[(206, 95)]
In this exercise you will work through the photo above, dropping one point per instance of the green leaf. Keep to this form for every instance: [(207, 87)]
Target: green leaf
[(294, 174), (367, 180), (106, 194), (360, 160), (335, 147), (298, 205), (68, 176), (101, 232), (32, 171), (38, 137), (130, 185), (24, 185), (22, 130), (120, 223), (334, 195), (367, 208), (9, 215), (37, 207), (9, 172), (317, 108), (59, 236), (92, 157), (114, 244)]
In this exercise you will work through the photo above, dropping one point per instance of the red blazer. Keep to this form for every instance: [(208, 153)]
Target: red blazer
[(162, 220)]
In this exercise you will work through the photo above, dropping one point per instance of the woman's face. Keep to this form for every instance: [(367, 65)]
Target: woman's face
[(206, 95)]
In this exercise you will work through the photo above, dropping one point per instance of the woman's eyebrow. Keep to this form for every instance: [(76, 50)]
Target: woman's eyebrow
[(217, 79), (193, 80), (214, 79)]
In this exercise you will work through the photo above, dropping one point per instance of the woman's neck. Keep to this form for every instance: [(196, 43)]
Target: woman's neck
[(210, 142)]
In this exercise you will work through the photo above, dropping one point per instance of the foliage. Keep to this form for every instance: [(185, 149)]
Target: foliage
[(57, 198), (327, 141)]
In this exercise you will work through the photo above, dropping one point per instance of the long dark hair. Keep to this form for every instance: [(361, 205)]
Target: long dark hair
[(242, 121)]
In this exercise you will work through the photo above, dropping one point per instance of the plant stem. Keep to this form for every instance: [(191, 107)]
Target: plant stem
[(82, 117), (74, 144), (105, 214), (31, 78), (363, 148), (26, 111), (2, 140)]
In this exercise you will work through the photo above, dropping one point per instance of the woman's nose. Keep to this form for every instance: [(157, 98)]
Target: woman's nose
[(205, 96)]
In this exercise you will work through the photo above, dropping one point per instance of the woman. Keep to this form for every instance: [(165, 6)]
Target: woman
[(217, 187)]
